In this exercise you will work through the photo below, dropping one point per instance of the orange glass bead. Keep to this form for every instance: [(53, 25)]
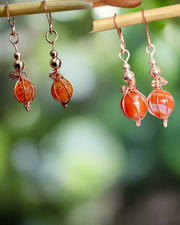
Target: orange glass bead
[(134, 106), (24, 91), (161, 104), (62, 91)]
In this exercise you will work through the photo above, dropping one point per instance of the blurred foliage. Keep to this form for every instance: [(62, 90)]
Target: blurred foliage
[(88, 164)]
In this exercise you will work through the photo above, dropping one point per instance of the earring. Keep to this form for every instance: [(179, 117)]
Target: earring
[(133, 104), (61, 89), (24, 90), (161, 103)]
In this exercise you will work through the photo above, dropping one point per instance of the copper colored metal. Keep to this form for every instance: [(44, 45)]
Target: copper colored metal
[(52, 42), (160, 102), (134, 104), (123, 46), (150, 45), (61, 89), (24, 90)]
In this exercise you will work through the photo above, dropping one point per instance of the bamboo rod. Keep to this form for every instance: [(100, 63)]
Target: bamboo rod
[(27, 8), (137, 18)]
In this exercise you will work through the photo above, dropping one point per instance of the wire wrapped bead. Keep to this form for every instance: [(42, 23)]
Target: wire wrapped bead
[(62, 91), (134, 106), (24, 91), (161, 105)]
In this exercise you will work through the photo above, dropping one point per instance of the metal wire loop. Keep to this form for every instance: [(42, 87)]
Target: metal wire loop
[(128, 55), (52, 42), (18, 38), (14, 43), (151, 53)]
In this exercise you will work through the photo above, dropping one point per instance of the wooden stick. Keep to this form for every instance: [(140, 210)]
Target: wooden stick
[(137, 18), (27, 8)]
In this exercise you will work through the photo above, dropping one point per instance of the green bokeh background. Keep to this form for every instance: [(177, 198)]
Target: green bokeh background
[(88, 164)]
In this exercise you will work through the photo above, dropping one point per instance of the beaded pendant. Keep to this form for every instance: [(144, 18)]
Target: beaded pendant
[(24, 90), (61, 89), (161, 103), (134, 104)]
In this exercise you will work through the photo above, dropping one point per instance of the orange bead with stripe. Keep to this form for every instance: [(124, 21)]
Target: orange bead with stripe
[(134, 106), (161, 104)]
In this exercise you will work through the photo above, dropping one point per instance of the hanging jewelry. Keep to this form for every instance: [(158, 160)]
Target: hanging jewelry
[(24, 90), (61, 89), (161, 103), (133, 104)]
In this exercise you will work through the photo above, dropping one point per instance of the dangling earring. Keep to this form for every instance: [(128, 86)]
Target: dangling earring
[(133, 104), (61, 89), (161, 103), (24, 90)]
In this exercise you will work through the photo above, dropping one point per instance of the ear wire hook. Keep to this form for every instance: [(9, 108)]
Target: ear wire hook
[(150, 45), (147, 30), (14, 33), (123, 46), (8, 18), (49, 17)]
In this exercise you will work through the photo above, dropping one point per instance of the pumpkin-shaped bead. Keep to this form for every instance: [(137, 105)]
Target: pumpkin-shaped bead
[(62, 91), (134, 106), (161, 105), (24, 91)]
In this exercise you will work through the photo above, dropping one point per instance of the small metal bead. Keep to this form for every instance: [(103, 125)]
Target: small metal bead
[(55, 63), (54, 54), (129, 75), (126, 67), (19, 65), (155, 71), (17, 55), (152, 62)]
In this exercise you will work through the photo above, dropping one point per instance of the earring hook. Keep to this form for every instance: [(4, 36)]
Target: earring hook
[(146, 25), (49, 17), (123, 46), (150, 45), (8, 18), (14, 33)]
